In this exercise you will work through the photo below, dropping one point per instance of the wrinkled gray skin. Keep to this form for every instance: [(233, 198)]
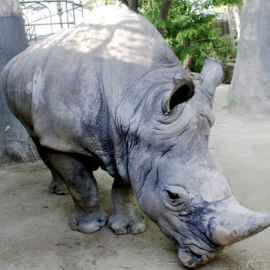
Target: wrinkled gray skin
[(110, 93)]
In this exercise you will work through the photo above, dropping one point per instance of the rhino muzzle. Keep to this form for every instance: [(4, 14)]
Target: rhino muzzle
[(201, 238), (193, 257)]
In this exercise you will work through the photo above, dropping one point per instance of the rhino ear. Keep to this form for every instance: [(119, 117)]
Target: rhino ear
[(211, 76), (182, 92)]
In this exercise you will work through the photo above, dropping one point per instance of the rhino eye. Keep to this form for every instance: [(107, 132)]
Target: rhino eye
[(172, 196)]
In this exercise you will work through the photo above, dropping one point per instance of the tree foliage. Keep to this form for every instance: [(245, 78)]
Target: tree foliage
[(188, 29), (224, 2)]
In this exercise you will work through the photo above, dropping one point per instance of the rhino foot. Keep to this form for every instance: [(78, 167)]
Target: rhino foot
[(123, 224), (88, 222)]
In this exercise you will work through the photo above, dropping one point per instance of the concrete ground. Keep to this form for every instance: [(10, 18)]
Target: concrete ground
[(34, 232)]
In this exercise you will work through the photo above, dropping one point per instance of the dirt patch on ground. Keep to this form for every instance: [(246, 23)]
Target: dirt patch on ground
[(34, 232)]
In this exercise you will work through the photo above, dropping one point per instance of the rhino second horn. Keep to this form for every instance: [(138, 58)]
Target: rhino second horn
[(237, 223)]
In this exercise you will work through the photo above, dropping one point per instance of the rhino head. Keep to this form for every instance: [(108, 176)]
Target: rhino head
[(183, 191)]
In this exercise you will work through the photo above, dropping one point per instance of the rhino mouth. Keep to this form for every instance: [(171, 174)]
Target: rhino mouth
[(192, 257), (194, 250)]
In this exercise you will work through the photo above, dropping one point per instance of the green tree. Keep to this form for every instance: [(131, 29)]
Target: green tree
[(187, 28), (224, 2)]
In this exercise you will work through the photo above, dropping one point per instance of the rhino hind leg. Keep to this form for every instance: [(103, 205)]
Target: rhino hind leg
[(88, 216), (125, 218), (57, 185)]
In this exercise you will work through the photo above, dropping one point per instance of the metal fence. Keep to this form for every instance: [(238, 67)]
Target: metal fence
[(53, 14)]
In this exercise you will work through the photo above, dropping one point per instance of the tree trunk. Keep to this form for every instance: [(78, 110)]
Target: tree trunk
[(15, 144), (10, 8), (250, 88), (133, 5), (187, 62), (237, 10), (164, 10), (231, 25), (60, 12), (124, 2)]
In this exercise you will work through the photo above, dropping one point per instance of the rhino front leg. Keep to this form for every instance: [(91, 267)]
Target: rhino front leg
[(88, 216), (125, 218)]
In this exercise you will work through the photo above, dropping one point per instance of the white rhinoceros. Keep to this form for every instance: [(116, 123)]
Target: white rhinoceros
[(110, 93)]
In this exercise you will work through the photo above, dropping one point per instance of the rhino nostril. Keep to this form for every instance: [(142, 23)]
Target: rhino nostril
[(193, 257), (196, 256)]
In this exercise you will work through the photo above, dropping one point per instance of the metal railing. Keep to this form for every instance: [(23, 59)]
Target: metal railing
[(64, 16)]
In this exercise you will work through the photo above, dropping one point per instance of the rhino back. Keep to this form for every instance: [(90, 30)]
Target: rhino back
[(67, 89)]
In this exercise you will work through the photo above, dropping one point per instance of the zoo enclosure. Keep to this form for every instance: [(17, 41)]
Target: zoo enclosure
[(49, 16)]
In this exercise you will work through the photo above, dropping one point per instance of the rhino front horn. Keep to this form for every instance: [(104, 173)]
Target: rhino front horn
[(235, 223)]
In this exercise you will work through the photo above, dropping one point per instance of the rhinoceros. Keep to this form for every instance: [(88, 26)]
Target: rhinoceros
[(110, 93)]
